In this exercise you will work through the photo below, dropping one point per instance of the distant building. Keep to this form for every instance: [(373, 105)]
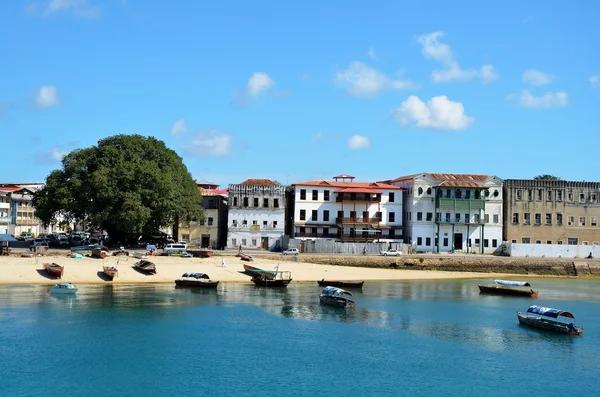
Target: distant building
[(452, 212), (256, 214), (17, 214), (347, 211), (551, 212)]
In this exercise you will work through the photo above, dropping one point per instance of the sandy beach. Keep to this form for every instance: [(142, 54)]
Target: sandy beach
[(17, 270)]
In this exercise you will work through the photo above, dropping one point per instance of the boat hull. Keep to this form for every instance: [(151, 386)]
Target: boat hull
[(146, 267), (54, 270), (498, 290), (256, 272), (336, 301), (262, 282), (341, 284), (548, 325), (110, 272), (63, 291), (196, 283)]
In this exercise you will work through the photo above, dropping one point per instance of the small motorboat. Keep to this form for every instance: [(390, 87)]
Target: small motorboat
[(64, 288), (548, 319), (110, 271), (146, 266), (338, 297), (341, 283), (201, 280), (511, 288), (54, 269), (279, 279)]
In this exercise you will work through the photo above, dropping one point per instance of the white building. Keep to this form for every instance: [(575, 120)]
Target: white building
[(452, 212), (347, 211), (256, 214)]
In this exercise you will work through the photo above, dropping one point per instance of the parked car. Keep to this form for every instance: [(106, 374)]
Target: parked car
[(391, 252), (291, 251), (176, 248), (38, 244), (25, 237)]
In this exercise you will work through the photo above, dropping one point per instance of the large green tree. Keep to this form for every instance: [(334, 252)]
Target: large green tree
[(546, 177), (127, 185)]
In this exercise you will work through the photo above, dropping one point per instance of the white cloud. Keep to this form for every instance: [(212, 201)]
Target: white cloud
[(357, 142), (371, 53), (80, 8), (549, 100), (432, 48), (53, 155), (595, 81), (258, 83), (438, 113), (213, 143), (535, 77), (360, 80), (179, 127), (46, 97)]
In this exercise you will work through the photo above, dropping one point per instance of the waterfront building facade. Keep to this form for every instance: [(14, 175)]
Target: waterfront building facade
[(347, 211), (17, 214), (551, 212), (256, 217), (452, 212)]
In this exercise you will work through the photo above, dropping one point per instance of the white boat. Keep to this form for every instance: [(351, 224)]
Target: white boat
[(334, 296), (64, 288)]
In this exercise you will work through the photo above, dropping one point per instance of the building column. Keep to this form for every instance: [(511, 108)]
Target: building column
[(468, 236), (438, 238), (482, 236), (452, 246)]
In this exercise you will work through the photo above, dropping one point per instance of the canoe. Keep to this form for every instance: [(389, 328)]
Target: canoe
[(146, 266), (110, 271), (341, 283), (54, 269), (499, 290)]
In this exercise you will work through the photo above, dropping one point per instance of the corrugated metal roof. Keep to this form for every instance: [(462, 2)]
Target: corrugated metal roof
[(259, 182), (450, 177), (460, 184)]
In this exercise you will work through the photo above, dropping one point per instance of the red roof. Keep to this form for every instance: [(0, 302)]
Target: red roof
[(358, 190), (364, 185), (213, 192), (10, 188), (259, 182)]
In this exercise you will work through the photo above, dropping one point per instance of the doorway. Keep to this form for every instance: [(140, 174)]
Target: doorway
[(205, 241), (458, 241), (264, 243)]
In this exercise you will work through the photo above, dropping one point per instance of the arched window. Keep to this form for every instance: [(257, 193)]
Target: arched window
[(428, 190), (496, 193), (487, 192), (457, 194), (477, 194), (420, 191)]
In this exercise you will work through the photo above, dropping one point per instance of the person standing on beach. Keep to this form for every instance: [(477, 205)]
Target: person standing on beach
[(223, 262)]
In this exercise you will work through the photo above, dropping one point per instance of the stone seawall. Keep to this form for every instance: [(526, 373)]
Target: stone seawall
[(542, 267)]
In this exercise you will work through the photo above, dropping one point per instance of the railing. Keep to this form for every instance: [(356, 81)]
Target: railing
[(460, 222), (26, 222), (366, 198), (4, 219), (361, 220), (459, 203), (315, 235)]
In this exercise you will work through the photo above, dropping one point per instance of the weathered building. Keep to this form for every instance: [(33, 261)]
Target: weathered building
[(551, 212)]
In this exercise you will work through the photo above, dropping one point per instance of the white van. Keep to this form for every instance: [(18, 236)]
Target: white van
[(175, 248)]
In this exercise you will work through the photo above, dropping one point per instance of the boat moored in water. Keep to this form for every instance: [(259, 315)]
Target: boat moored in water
[(338, 297), (201, 280), (548, 319), (64, 288), (341, 283), (511, 288), (279, 279)]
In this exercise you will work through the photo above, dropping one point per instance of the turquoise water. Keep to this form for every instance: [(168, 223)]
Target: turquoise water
[(403, 338)]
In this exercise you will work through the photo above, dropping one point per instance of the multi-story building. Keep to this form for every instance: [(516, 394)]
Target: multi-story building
[(17, 214), (212, 230), (347, 211), (452, 212), (256, 214), (551, 212)]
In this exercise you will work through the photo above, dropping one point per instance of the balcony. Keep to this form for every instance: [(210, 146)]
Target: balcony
[(454, 204), (459, 222), (26, 222), (357, 221), (355, 197), (4, 219), (315, 235)]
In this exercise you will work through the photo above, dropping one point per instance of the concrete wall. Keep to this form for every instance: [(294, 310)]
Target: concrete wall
[(335, 247), (552, 250)]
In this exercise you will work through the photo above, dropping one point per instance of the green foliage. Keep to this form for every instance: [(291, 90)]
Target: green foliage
[(546, 177), (127, 184)]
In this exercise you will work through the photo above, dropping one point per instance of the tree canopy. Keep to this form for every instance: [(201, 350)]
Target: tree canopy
[(546, 177), (127, 184)]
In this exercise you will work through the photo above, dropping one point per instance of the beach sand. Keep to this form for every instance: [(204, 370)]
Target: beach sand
[(16, 270)]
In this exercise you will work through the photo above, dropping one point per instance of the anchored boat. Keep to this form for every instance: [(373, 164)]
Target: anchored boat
[(549, 319), (506, 287), (334, 296)]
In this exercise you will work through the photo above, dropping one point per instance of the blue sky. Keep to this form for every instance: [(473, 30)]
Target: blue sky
[(298, 91)]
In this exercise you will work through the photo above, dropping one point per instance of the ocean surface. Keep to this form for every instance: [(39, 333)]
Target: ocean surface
[(403, 338)]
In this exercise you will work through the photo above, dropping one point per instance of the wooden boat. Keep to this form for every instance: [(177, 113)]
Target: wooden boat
[(255, 271), (511, 288), (338, 297), (146, 266), (246, 258), (201, 280), (548, 319), (280, 279), (341, 283), (64, 288), (205, 253), (54, 269), (98, 253), (110, 271)]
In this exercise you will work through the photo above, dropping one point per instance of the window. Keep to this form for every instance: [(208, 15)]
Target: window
[(275, 224), (585, 243), (526, 218), (234, 222), (210, 221), (572, 241), (538, 219), (276, 203), (392, 217), (419, 216), (539, 194), (478, 218), (378, 216), (496, 218), (255, 202), (420, 190), (581, 197), (494, 243), (244, 222), (571, 221), (254, 242), (593, 221), (202, 222), (302, 215), (235, 203), (457, 217), (255, 222), (538, 241), (233, 241), (582, 221), (185, 237), (392, 198), (447, 193), (514, 241), (529, 194), (265, 223), (559, 195), (445, 241), (302, 230), (447, 217), (326, 195), (266, 202), (548, 219), (245, 201), (326, 215), (525, 240), (559, 242), (477, 194), (486, 218), (519, 195), (458, 194), (243, 241), (548, 241), (428, 190), (570, 195), (315, 215), (429, 217), (428, 241), (593, 197), (467, 194), (302, 194), (485, 243), (352, 214), (419, 240), (315, 195), (340, 214), (559, 219), (549, 195), (476, 241)]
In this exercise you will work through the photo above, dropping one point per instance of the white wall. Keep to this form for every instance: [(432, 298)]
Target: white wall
[(552, 250), (241, 232)]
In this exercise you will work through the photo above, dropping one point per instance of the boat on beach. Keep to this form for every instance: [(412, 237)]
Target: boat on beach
[(511, 288), (99, 253), (54, 269), (255, 271), (64, 288), (146, 266), (110, 271), (341, 283), (201, 280), (338, 297), (246, 258), (548, 319), (279, 279)]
